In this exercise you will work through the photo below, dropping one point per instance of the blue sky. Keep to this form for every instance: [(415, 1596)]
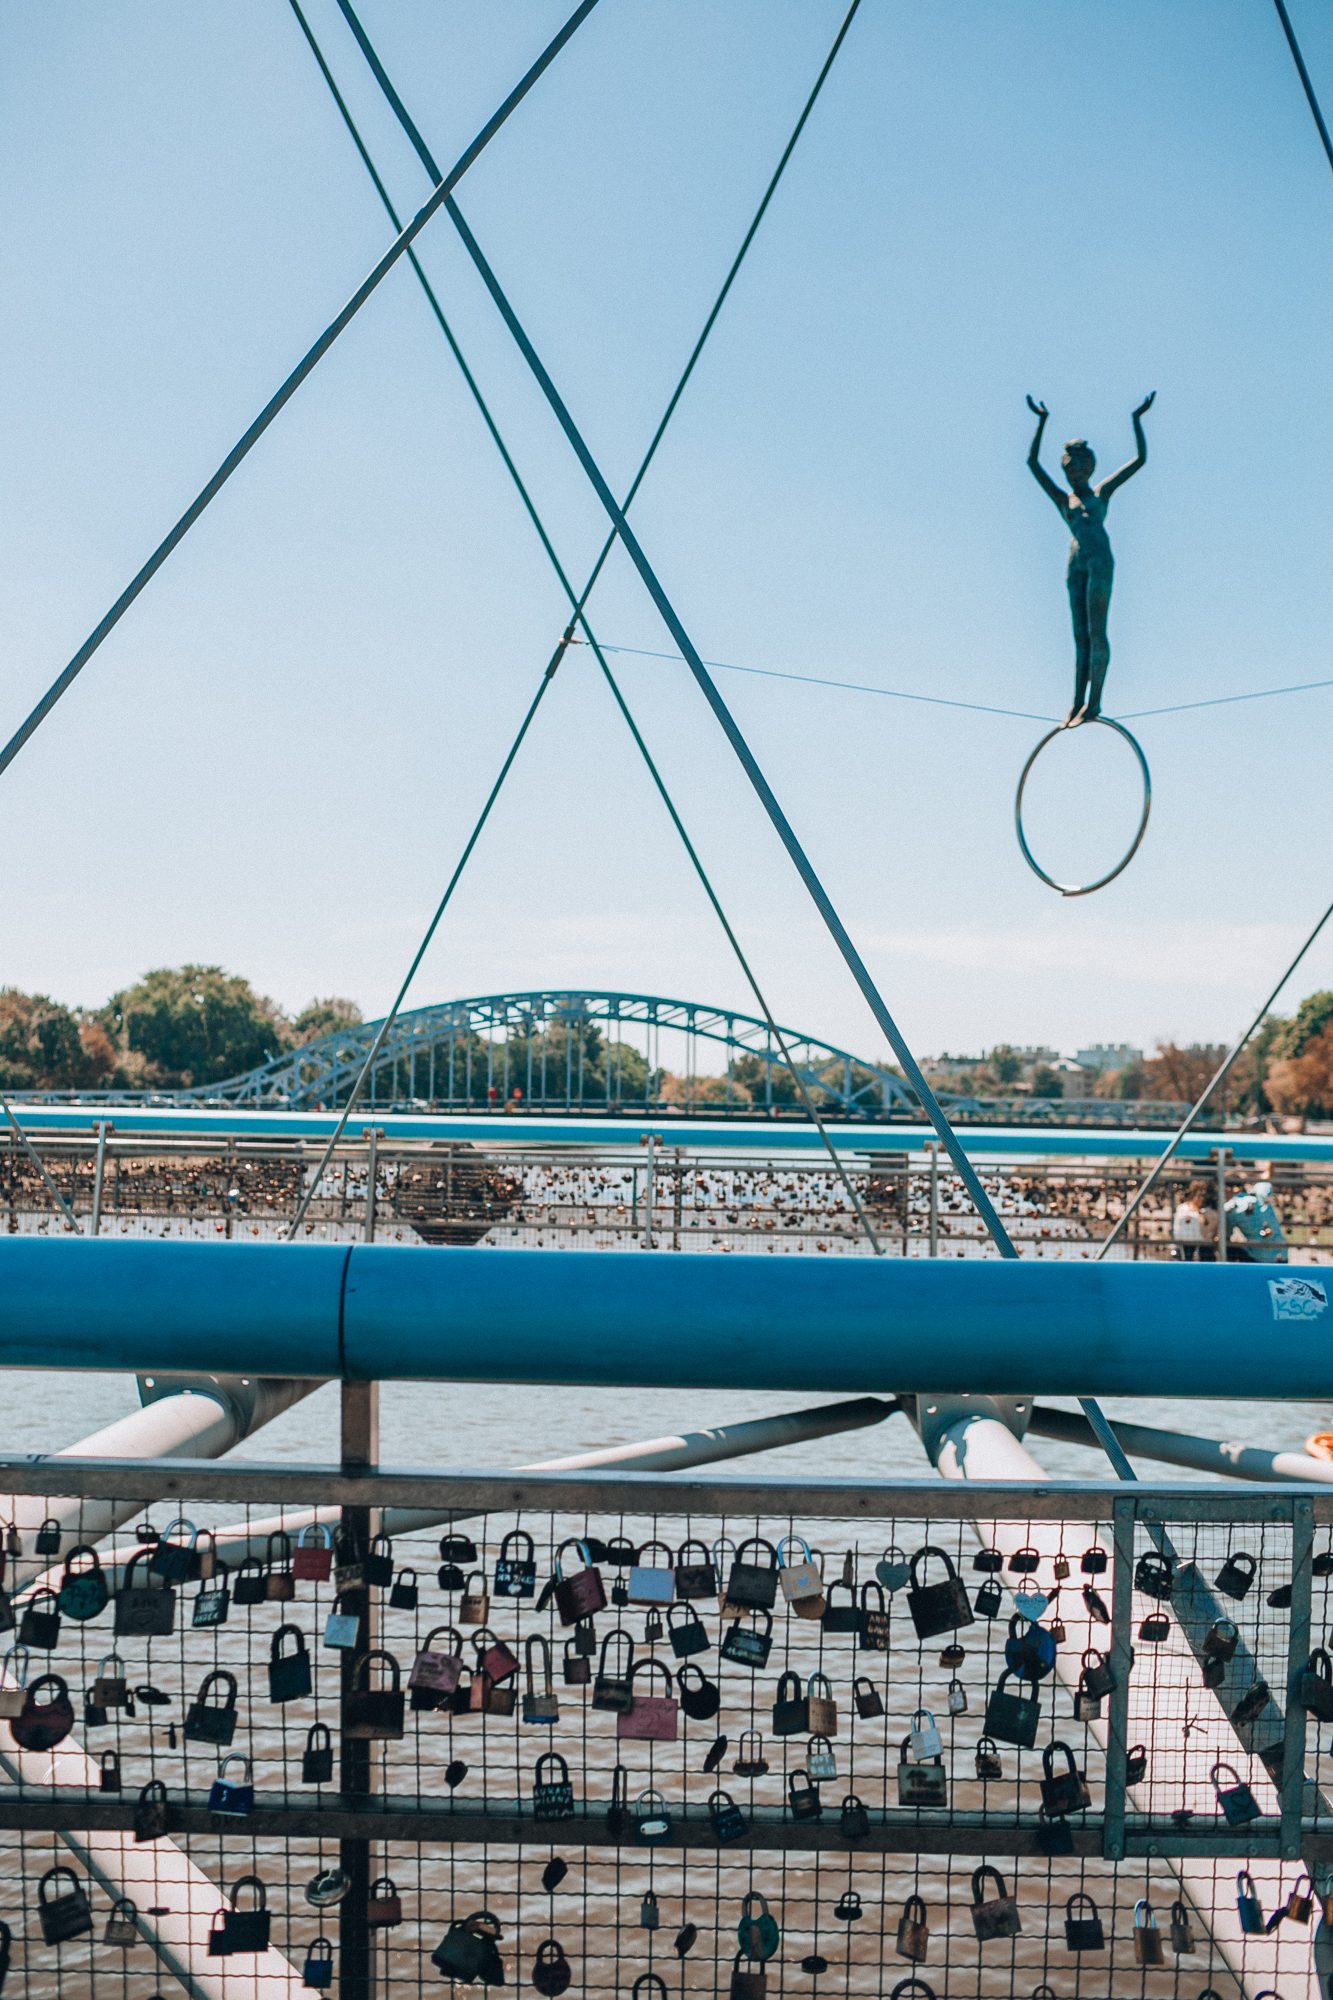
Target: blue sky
[(275, 759)]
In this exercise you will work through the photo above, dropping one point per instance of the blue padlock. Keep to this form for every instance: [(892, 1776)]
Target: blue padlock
[(234, 1796), (318, 1968)]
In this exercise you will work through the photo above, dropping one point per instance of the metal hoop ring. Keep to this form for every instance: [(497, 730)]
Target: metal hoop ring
[(1087, 889)]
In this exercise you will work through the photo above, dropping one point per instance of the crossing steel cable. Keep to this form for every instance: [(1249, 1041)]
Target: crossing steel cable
[(577, 604), (735, 736), (40, 1165), (1304, 75), (1219, 1075), (282, 396)]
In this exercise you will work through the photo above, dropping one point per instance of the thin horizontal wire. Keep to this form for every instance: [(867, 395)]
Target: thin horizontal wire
[(977, 707)]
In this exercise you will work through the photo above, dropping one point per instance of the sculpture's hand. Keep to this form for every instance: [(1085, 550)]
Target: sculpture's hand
[(1145, 405), (1040, 409)]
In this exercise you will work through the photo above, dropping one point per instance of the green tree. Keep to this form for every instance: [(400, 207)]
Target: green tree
[(1047, 1082), (193, 1024), (1005, 1064), (325, 1017), (40, 1044), (1309, 1021)]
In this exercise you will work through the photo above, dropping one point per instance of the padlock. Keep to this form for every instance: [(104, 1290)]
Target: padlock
[(1136, 1764), (551, 1970), (652, 1718), (211, 1605), (747, 1983), (83, 1589), (289, 1675), (145, 1607), (516, 1565), (122, 1925), (913, 1938), (957, 1697), (872, 1621), (893, 1569), (375, 1714), (1236, 1575), (1062, 1791), (866, 1697), (47, 1715), (461, 1953), (39, 1626), (1155, 1629), (552, 1788), (379, 1563), (1300, 1903), (1147, 1937), (821, 1707), (729, 1822), (108, 1776), (937, 1607), (988, 1765), (686, 1631), (317, 1970), (1155, 1574), (279, 1578), (821, 1760), (791, 1708), (994, 1916), (495, 1659), (1029, 1649), (317, 1757), (840, 1619), (1221, 1640), (246, 1930), (989, 1599), (312, 1561), (750, 1645), (1238, 1803), (540, 1703), (13, 1681), (921, 1785), (474, 1606), (7, 1620), (1060, 1567), (652, 1819), (1084, 1930), (1248, 1907), (582, 1593), (63, 1913), (651, 1583), (1182, 1930), (458, 1549), (1314, 1686), (699, 1697), (1252, 1703), (613, 1687), (923, 1736), (1094, 1560), (384, 1908), (575, 1668), (1025, 1561), (110, 1688), (754, 1585), (853, 1819), (849, 1909), (249, 1585), (988, 1562), (650, 1916), (802, 1580), (1012, 1717), (233, 1796), (435, 1669), (757, 1933), (209, 1720), (341, 1628), (1098, 1676), (150, 1812), (696, 1578), (48, 1538), (803, 1796), (172, 1558)]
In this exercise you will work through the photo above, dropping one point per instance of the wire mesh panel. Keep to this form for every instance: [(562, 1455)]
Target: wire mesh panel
[(614, 1730)]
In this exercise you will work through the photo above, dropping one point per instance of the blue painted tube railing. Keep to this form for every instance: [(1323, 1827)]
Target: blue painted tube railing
[(762, 1322)]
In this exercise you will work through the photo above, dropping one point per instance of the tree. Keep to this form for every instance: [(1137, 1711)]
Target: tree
[(1311, 1018), (1005, 1064), (1181, 1075), (43, 1047), (1302, 1085), (193, 1024), (1047, 1082), (325, 1017)]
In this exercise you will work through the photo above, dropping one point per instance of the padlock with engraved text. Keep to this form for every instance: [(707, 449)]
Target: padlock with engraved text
[(516, 1565), (84, 1593), (552, 1788), (800, 1576), (474, 1607), (872, 1621), (749, 1645), (47, 1715), (145, 1607), (921, 1784), (580, 1593), (63, 1913), (803, 1796), (1237, 1801), (653, 1718), (821, 1708), (696, 1572), (941, 1606), (728, 1821), (436, 1668), (821, 1759)]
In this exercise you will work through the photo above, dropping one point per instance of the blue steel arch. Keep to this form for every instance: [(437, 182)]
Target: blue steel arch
[(431, 1055)]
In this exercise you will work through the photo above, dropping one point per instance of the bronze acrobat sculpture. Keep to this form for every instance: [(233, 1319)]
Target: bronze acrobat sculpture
[(1091, 564)]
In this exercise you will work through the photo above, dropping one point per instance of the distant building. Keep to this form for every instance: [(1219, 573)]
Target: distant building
[(1109, 1055)]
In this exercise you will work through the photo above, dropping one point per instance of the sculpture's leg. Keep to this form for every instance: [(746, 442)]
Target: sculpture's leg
[(1078, 611), (1099, 646)]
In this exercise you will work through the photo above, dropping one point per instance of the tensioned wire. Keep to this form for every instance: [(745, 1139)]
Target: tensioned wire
[(800, 860), (578, 604), (1304, 75), (283, 395)]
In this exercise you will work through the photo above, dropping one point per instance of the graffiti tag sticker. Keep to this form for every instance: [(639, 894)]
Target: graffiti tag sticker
[(1297, 1298)]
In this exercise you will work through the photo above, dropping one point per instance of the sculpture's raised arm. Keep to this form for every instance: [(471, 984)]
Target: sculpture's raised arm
[(1140, 458), (1035, 466)]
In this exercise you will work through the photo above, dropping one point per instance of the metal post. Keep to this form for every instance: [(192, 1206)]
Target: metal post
[(99, 1174), (1120, 1659), (1222, 1204), (1291, 1788), (677, 1199), (357, 1775), (934, 1198), (372, 1133), (649, 1177)]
